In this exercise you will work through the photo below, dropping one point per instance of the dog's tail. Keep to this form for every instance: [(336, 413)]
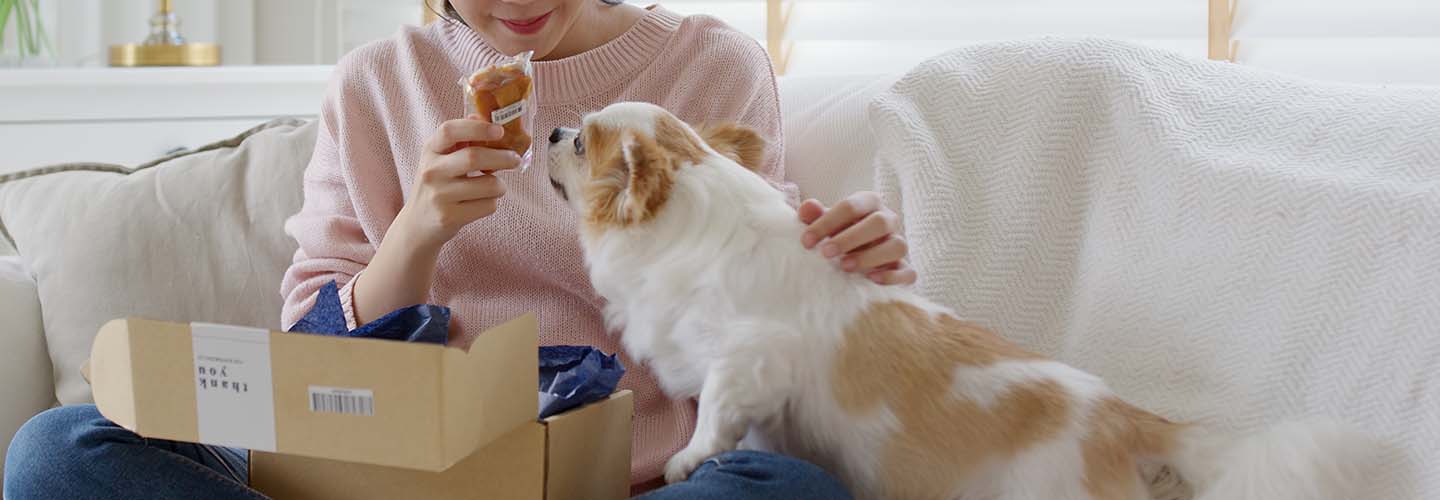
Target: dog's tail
[(1311, 460)]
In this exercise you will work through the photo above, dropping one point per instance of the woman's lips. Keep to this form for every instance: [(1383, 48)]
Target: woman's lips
[(527, 26)]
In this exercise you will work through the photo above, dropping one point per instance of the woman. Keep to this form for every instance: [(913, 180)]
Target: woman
[(391, 214)]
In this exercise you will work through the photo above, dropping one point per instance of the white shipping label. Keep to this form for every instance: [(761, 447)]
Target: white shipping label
[(234, 399), (508, 113)]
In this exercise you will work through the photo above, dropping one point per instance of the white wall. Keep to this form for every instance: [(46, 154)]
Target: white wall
[(235, 30), (267, 32), (1385, 41), (291, 31), (85, 29)]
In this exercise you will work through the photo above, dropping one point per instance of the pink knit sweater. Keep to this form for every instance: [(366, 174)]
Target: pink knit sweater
[(386, 98)]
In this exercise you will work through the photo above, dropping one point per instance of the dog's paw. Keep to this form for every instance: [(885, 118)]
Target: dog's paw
[(682, 464)]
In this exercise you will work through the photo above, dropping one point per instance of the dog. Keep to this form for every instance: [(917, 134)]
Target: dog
[(701, 263)]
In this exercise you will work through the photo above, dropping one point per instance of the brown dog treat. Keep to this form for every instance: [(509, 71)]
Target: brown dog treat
[(500, 94)]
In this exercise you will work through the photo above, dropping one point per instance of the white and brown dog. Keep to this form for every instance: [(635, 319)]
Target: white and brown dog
[(701, 262)]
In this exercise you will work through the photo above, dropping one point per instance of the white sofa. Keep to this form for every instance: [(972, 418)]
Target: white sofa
[(24, 364), (828, 156)]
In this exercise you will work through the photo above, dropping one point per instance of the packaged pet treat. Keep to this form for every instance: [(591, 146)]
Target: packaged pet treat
[(500, 94)]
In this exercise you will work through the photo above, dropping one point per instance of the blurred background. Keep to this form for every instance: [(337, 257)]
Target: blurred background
[(1372, 41), (56, 78)]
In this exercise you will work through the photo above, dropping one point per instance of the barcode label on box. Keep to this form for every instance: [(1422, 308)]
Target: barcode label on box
[(343, 401), (506, 114)]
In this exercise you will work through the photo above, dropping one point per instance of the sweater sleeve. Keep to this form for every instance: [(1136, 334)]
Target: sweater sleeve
[(332, 243)]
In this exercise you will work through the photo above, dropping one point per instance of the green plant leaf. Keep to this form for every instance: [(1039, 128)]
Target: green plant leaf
[(44, 45), (5, 7), (22, 25)]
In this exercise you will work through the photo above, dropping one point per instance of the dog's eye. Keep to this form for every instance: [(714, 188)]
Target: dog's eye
[(579, 145)]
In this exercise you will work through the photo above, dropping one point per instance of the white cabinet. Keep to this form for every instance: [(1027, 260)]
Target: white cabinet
[(130, 116)]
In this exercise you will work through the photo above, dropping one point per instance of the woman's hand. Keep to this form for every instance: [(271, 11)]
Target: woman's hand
[(859, 230), (445, 197), (443, 200)]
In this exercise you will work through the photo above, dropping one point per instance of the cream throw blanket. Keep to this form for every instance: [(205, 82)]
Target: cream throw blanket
[(1218, 242)]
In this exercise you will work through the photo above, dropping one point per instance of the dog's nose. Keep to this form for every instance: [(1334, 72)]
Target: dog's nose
[(556, 135)]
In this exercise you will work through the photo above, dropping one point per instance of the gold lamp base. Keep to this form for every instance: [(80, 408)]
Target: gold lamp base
[(190, 54), (165, 46)]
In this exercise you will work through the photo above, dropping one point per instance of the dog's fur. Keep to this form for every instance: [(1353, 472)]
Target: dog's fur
[(701, 262)]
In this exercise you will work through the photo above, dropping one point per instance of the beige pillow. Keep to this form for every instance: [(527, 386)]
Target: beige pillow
[(192, 237)]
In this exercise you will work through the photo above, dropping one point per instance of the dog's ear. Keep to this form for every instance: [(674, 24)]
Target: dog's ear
[(738, 143), (649, 174)]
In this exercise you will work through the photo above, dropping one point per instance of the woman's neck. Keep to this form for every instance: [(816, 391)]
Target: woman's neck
[(597, 25)]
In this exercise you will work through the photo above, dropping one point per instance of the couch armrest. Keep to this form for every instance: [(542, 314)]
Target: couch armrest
[(29, 386)]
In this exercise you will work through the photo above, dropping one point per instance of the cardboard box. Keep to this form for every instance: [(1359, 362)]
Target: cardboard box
[(418, 406), (583, 454), (333, 417)]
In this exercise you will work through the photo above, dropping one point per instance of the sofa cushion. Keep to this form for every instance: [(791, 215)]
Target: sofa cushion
[(192, 237), (829, 146)]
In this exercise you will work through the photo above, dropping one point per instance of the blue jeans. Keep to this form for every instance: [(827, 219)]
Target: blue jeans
[(73, 452)]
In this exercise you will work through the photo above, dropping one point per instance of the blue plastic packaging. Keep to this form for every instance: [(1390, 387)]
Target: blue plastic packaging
[(570, 376)]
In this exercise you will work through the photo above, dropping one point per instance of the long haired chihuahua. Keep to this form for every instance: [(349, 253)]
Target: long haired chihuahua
[(701, 263)]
